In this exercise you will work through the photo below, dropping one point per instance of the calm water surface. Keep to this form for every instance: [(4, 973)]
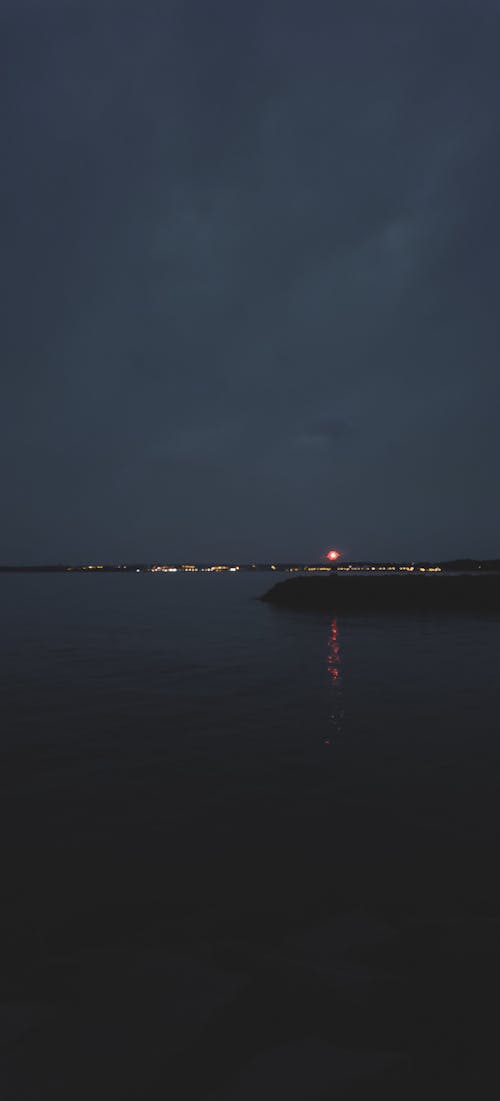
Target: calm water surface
[(245, 851)]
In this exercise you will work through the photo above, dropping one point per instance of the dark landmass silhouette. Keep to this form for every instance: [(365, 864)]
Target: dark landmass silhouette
[(459, 593)]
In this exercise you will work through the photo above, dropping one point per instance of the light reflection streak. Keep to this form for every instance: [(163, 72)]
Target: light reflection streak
[(334, 665)]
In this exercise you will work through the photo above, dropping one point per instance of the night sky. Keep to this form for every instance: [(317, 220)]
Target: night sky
[(250, 279)]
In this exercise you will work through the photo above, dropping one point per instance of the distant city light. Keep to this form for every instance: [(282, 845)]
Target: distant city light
[(333, 555)]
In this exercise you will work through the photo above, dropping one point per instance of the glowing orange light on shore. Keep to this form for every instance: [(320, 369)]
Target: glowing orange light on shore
[(333, 555)]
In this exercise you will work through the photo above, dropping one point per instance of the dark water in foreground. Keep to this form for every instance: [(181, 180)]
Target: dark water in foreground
[(246, 853)]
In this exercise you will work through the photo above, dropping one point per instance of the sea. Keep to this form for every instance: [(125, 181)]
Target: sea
[(246, 852)]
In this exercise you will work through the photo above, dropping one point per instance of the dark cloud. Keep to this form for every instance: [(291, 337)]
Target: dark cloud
[(331, 428), (249, 278)]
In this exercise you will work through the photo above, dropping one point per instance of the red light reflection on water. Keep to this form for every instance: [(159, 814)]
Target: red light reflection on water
[(333, 651), (334, 661)]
